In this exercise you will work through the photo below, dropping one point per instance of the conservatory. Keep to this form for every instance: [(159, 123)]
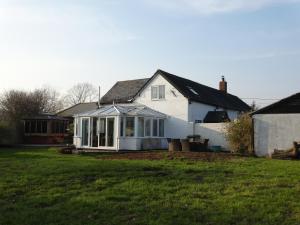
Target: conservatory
[(120, 127)]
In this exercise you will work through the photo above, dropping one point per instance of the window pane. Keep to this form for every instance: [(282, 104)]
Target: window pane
[(154, 128), (141, 127), (148, 127), (33, 127), (161, 128), (161, 91), (122, 127), (154, 92), (27, 127), (102, 133), (77, 127), (44, 127), (129, 126), (85, 131), (110, 131)]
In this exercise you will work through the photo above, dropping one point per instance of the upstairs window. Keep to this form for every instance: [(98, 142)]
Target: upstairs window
[(158, 92)]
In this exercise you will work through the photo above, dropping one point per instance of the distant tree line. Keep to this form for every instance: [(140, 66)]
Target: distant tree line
[(16, 105)]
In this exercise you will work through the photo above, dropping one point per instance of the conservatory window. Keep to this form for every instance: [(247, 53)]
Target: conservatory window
[(141, 127), (154, 127), (129, 126), (148, 127), (161, 128)]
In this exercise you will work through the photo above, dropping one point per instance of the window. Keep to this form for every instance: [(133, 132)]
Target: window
[(36, 127), (154, 127), (129, 126), (148, 127), (192, 90), (122, 127), (161, 93), (77, 127), (141, 127), (161, 128), (158, 92)]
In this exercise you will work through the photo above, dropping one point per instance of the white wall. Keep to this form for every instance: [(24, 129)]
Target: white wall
[(175, 107), (198, 111), (275, 131), (214, 132)]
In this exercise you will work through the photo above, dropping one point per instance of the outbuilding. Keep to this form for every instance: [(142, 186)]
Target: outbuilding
[(277, 126)]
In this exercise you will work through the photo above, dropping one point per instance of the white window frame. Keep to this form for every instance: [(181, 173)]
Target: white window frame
[(158, 94)]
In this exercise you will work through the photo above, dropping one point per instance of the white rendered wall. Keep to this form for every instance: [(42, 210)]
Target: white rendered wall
[(214, 132), (198, 111), (175, 107), (275, 131)]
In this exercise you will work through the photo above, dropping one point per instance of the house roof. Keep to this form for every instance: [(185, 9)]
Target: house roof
[(78, 108), (128, 110), (200, 93), (287, 105), (216, 117), (123, 91)]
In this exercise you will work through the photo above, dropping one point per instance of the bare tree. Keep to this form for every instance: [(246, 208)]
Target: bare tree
[(49, 100), (16, 104), (80, 93)]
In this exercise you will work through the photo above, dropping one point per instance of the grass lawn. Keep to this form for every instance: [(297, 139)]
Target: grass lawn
[(40, 186)]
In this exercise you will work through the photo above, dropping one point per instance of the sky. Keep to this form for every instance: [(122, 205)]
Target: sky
[(58, 43)]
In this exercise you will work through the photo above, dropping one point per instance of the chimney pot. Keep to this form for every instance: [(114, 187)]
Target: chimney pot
[(223, 85)]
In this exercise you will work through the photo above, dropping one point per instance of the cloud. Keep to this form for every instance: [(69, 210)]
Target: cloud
[(65, 26), (208, 7)]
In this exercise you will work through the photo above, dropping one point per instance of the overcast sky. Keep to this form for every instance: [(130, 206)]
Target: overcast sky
[(59, 43)]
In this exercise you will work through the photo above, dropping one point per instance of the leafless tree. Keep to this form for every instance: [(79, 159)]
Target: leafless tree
[(15, 104), (80, 93)]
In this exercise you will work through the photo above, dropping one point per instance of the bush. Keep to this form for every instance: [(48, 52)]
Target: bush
[(239, 134), (5, 134)]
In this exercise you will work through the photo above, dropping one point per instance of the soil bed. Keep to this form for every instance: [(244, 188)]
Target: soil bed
[(160, 155)]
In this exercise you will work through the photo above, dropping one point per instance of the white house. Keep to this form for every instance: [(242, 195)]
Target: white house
[(142, 114), (277, 126)]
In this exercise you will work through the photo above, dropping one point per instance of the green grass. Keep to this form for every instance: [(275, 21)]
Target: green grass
[(40, 186)]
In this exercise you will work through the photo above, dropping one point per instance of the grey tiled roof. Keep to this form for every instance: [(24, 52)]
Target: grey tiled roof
[(123, 91), (78, 108)]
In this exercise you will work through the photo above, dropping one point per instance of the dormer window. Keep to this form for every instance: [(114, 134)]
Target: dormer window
[(158, 92)]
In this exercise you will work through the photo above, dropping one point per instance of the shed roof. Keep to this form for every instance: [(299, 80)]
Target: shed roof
[(287, 105), (216, 117), (45, 116), (128, 110)]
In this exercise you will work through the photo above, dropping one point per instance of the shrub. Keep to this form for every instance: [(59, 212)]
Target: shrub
[(239, 134), (5, 134)]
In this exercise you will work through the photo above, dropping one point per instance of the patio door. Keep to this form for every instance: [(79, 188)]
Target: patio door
[(85, 127), (107, 132)]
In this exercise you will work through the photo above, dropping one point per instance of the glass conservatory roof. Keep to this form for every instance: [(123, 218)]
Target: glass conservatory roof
[(125, 110)]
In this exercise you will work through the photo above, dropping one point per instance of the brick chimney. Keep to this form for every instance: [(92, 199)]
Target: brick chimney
[(223, 85)]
